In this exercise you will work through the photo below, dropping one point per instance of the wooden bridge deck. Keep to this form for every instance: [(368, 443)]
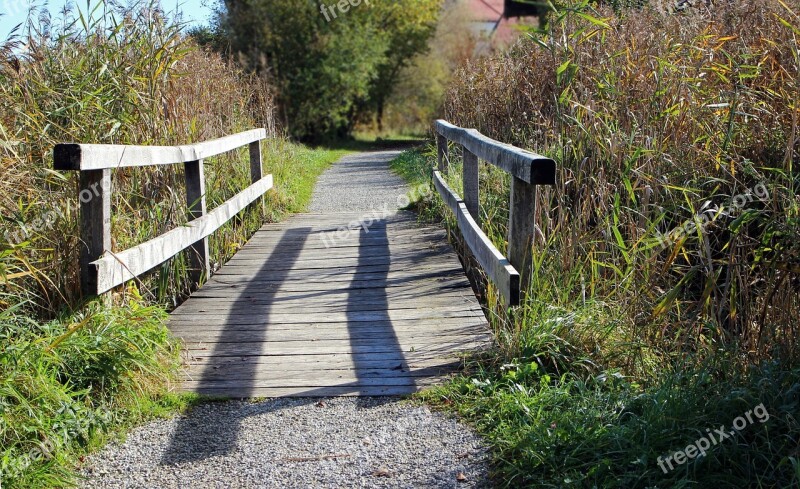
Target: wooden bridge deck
[(303, 310)]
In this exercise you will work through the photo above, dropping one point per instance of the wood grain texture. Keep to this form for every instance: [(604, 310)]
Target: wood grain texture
[(117, 268), (106, 156), (499, 270), (525, 165), (387, 311), (196, 205), (95, 205)]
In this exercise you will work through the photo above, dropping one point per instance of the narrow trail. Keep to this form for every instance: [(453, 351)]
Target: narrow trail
[(304, 442)]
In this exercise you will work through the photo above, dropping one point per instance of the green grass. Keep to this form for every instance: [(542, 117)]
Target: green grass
[(72, 383), (571, 398)]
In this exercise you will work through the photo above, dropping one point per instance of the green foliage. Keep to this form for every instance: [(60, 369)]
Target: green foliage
[(578, 431), (126, 76), (327, 71), (68, 384)]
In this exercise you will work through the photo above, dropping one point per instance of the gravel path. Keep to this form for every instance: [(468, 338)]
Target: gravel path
[(296, 443), (304, 443), (360, 182)]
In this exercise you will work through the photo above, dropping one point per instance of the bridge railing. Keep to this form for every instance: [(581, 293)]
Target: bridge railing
[(103, 269), (527, 171)]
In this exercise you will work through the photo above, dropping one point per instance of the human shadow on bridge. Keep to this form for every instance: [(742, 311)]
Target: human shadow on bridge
[(193, 440), (377, 354)]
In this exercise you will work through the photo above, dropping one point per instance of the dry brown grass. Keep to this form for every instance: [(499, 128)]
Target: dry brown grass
[(652, 118), (144, 84)]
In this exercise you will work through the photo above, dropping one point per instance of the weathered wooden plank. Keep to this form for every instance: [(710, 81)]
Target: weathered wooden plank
[(471, 185), (106, 156), (298, 331), (442, 153), (448, 195), (333, 317), (353, 335), (230, 305), (344, 277), (525, 165), (496, 266), (286, 373), (268, 285), (116, 269), (493, 263), (323, 381), (320, 263), (338, 347), (327, 391), (196, 204), (311, 360), (521, 227), (95, 205)]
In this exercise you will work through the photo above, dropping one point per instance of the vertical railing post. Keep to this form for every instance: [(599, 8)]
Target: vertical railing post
[(471, 184), (521, 229), (256, 170), (441, 147), (196, 202), (255, 161), (95, 205)]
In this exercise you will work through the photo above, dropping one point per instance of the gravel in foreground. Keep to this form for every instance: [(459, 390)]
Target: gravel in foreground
[(296, 443)]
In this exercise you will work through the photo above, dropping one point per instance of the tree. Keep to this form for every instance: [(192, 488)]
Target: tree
[(409, 25), (326, 67)]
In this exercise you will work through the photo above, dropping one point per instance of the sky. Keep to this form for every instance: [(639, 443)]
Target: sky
[(195, 12)]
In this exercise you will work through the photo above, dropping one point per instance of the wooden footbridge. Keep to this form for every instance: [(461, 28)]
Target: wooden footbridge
[(322, 304)]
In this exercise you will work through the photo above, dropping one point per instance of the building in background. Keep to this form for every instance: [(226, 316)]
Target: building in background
[(491, 25)]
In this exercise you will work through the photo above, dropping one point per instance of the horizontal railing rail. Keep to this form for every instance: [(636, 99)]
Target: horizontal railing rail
[(102, 269), (527, 171)]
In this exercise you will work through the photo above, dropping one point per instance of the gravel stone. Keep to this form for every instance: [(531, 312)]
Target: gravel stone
[(360, 182), (367, 442), (296, 443)]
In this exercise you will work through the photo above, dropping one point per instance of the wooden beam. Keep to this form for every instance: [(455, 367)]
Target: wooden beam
[(525, 165), (95, 205), (497, 267), (115, 269), (471, 185), (441, 147), (521, 227), (104, 156), (196, 203), (448, 195)]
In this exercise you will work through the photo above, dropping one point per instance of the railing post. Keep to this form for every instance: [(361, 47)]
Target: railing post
[(95, 205), (521, 229), (441, 146), (471, 184), (256, 171), (196, 202), (255, 161)]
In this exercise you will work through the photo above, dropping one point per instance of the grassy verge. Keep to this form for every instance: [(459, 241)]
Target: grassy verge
[(561, 407), (71, 383), (72, 374)]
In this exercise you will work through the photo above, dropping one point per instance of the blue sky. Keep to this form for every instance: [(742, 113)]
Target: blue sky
[(196, 12)]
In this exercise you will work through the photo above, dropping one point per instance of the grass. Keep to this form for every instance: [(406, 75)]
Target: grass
[(626, 351), (74, 374), (71, 383)]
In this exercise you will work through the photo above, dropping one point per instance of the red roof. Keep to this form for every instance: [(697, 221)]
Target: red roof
[(491, 11), (486, 10)]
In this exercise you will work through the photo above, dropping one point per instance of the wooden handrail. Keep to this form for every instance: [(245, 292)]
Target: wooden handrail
[(102, 156), (102, 269), (527, 170)]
